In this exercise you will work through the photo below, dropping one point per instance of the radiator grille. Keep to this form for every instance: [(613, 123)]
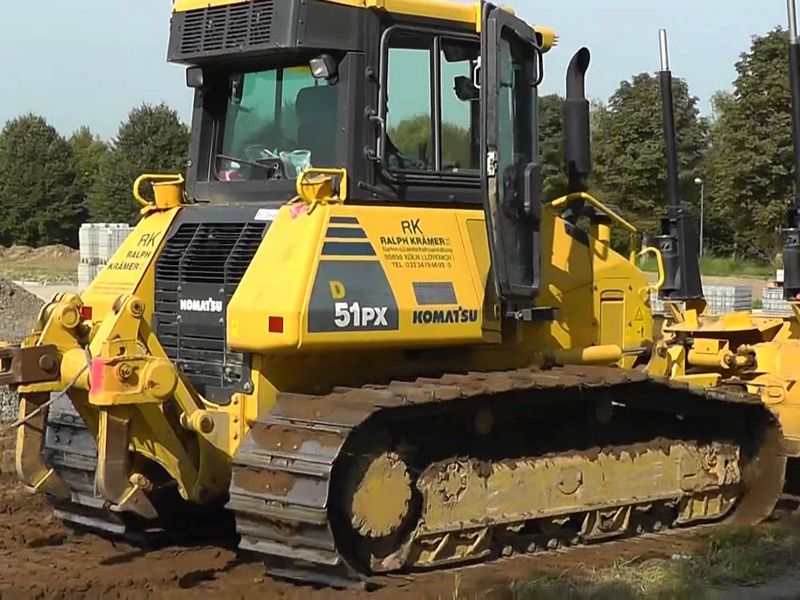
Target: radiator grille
[(203, 261)]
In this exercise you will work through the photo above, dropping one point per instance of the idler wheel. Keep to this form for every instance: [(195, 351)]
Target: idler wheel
[(382, 498)]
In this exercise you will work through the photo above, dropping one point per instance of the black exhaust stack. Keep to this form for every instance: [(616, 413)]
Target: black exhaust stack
[(577, 133), (678, 241), (791, 235), (577, 136)]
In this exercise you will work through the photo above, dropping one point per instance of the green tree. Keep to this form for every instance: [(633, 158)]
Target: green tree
[(152, 140), (412, 134), (413, 138), (720, 213), (629, 151), (551, 146), (750, 167), (90, 151), (41, 202)]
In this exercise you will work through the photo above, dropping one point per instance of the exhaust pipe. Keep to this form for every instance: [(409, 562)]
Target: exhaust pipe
[(678, 241), (791, 235), (577, 134)]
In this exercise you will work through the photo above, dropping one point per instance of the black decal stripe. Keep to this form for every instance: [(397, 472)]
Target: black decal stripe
[(360, 281), (344, 221), (346, 233), (348, 249)]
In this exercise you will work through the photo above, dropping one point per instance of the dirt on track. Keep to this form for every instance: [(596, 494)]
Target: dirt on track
[(41, 558)]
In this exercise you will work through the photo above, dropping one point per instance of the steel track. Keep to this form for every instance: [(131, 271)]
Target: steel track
[(284, 485)]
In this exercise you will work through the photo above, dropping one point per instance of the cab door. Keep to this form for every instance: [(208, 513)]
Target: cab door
[(511, 70)]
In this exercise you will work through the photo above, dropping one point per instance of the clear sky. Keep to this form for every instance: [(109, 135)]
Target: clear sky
[(89, 62)]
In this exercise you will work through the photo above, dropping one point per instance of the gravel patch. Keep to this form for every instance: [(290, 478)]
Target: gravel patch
[(8, 405), (19, 310)]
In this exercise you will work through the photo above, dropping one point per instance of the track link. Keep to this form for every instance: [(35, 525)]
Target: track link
[(71, 450), (285, 491), (291, 478)]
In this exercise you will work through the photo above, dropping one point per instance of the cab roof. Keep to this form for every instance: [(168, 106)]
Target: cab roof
[(437, 9), (445, 10)]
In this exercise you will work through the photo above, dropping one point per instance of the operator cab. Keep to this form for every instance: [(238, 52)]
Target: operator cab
[(433, 104)]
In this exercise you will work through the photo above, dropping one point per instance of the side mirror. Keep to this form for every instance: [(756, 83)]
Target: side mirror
[(465, 89), (195, 78), (533, 189)]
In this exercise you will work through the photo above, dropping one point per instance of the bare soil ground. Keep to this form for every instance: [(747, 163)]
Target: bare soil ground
[(41, 558)]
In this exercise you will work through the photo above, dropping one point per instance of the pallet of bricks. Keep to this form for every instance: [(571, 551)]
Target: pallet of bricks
[(773, 303), (98, 243), (721, 299)]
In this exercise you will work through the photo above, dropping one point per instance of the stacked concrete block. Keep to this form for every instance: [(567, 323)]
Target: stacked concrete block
[(721, 299), (98, 243), (657, 306), (773, 303)]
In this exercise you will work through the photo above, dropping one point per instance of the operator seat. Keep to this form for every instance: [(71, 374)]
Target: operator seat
[(316, 131)]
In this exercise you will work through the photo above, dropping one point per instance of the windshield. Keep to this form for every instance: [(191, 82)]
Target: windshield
[(278, 122)]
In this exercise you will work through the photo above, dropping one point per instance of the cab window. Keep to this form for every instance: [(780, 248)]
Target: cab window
[(277, 118), (432, 104)]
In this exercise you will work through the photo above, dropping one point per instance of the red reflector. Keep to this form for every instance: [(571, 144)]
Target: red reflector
[(275, 325), (86, 313)]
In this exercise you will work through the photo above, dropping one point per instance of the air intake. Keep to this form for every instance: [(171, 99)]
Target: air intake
[(220, 29)]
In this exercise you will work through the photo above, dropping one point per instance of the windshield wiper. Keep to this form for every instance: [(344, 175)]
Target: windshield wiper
[(250, 163), (274, 166)]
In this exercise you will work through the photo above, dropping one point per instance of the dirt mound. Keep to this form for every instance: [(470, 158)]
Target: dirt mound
[(18, 311), (22, 254)]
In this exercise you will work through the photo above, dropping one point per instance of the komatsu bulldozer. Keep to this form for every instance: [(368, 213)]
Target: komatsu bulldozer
[(359, 332)]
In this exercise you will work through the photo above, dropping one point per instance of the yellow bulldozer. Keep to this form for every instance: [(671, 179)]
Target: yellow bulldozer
[(356, 332)]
